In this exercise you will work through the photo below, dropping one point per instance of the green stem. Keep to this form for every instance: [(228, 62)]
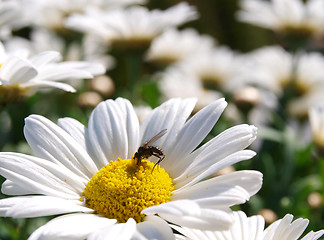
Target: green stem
[(23, 233), (133, 65)]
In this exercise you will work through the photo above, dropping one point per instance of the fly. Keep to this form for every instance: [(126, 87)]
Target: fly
[(146, 150)]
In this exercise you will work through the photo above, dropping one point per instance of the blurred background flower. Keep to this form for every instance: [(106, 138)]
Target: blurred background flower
[(285, 16)]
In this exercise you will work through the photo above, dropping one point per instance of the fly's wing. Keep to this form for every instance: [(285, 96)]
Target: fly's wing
[(155, 138)]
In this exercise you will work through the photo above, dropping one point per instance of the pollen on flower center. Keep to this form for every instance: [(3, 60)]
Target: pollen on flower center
[(122, 189)]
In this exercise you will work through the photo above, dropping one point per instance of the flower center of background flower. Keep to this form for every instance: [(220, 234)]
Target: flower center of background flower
[(122, 189), (11, 93)]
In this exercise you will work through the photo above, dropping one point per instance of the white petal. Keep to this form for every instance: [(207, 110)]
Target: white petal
[(93, 68), (195, 234), (228, 142), (223, 191), (170, 115), (76, 226), (110, 125), (74, 128), (243, 228), (208, 220), (190, 136), (36, 84), (44, 58), (189, 214), (89, 24), (37, 206), (51, 142), (10, 188), (153, 228), (39, 176), (271, 230), (197, 173), (313, 235), (286, 229), (132, 125), (120, 231), (247, 228), (16, 70), (181, 12), (59, 72), (296, 228)]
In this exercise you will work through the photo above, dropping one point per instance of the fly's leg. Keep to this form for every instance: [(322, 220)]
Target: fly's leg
[(160, 159)]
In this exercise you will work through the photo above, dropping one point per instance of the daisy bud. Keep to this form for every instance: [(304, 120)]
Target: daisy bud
[(103, 85), (268, 215), (246, 98), (89, 99), (315, 200)]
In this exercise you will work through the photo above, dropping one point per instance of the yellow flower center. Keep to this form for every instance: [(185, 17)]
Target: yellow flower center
[(12, 93), (122, 189)]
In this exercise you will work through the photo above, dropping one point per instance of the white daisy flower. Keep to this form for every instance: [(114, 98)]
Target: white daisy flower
[(284, 15), (175, 78), (21, 75), (309, 71), (217, 68), (300, 106), (269, 67), (51, 15), (277, 70), (252, 228), (174, 45), (257, 103), (309, 82), (134, 25), (90, 49), (207, 75), (91, 178)]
